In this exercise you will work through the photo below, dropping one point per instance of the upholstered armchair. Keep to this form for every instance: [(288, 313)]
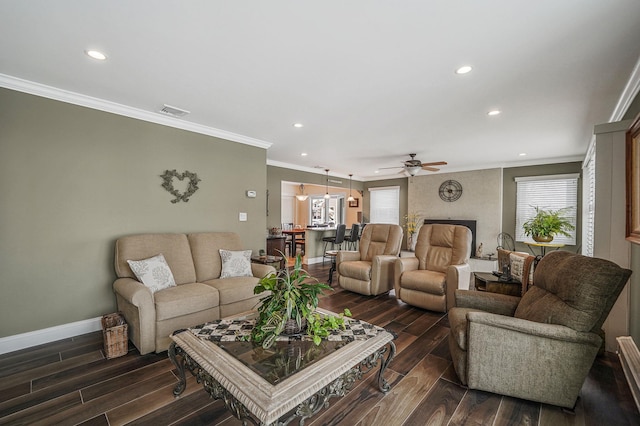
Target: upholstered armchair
[(440, 266), (369, 270), (539, 347)]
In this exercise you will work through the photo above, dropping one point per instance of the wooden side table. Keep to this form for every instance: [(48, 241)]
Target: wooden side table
[(488, 282), (269, 260)]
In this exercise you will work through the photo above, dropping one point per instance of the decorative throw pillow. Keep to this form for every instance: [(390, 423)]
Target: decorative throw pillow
[(153, 272), (235, 263), (517, 267)]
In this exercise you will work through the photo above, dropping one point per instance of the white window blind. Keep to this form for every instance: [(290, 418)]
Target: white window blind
[(384, 205), (552, 192), (589, 204)]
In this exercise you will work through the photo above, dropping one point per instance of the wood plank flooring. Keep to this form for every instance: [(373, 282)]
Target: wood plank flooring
[(70, 382)]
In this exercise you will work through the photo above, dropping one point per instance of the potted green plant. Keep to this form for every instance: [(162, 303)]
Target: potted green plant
[(548, 223), (290, 307)]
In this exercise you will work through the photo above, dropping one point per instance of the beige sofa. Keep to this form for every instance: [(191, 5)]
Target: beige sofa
[(199, 296)]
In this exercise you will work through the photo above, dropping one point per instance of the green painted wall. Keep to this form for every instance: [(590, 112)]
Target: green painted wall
[(74, 179), (509, 196)]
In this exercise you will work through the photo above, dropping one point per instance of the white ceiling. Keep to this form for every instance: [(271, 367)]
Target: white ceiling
[(371, 80)]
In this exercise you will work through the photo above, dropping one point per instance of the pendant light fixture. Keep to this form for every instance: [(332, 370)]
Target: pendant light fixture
[(327, 196), (302, 196), (350, 196)]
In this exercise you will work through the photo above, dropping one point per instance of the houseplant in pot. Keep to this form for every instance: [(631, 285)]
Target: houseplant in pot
[(548, 223), (290, 306)]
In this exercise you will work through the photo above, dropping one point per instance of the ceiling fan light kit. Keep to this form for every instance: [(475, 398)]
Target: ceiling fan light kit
[(413, 167)]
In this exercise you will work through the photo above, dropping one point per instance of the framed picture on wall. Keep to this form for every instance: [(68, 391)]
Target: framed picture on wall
[(354, 203), (633, 182)]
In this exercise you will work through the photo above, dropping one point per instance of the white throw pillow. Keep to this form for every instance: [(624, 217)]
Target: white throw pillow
[(517, 267), (235, 263), (153, 272)]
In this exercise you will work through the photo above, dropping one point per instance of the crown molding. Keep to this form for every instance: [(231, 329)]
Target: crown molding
[(629, 93), (62, 95)]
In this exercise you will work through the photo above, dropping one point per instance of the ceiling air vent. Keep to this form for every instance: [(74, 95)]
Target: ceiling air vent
[(171, 110)]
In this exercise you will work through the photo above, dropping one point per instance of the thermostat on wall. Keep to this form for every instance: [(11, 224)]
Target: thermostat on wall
[(251, 194)]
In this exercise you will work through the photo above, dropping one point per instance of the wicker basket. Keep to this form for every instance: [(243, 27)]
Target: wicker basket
[(116, 338)]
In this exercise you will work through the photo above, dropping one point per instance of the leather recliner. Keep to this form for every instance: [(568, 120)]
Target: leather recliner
[(369, 270)]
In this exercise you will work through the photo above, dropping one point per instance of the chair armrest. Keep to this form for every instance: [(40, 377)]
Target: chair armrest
[(458, 277), (500, 304), (259, 270), (401, 265), (525, 359), (382, 269), (347, 256), (537, 329)]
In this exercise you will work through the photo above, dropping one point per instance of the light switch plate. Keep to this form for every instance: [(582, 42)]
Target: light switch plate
[(242, 217)]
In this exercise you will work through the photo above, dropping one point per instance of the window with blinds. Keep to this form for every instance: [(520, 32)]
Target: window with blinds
[(552, 192), (384, 205)]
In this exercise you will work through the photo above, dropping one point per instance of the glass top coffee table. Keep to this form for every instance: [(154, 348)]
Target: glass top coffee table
[(292, 379)]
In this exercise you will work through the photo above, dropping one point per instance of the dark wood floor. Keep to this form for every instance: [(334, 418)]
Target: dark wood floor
[(70, 382)]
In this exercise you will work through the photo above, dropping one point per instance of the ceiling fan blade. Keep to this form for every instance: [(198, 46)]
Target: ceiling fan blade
[(435, 163), (431, 169), (397, 167)]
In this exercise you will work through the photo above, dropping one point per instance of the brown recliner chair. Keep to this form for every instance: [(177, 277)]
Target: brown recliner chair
[(440, 266), (369, 270), (539, 347)]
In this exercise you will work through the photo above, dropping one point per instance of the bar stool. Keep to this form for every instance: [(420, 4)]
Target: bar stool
[(354, 237), (337, 239)]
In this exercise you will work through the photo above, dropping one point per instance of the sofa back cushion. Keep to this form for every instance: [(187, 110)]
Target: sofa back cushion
[(573, 290), (174, 248), (439, 246), (205, 248), (380, 239)]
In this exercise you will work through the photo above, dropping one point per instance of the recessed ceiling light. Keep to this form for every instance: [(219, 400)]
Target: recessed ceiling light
[(298, 125), (96, 54), (464, 69), (304, 154), (494, 112), (523, 154), (377, 171)]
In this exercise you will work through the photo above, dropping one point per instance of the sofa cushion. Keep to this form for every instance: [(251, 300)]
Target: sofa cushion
[(573, 290), (431, 282), (205, 247), (235, 263), (234, 289), (174, 247), (185, 299), (153, 272)]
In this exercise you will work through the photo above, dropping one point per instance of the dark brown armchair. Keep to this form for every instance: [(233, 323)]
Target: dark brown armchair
[(539, 347)]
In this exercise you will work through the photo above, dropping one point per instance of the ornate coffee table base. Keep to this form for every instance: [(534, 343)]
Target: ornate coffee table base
[(308, 408)]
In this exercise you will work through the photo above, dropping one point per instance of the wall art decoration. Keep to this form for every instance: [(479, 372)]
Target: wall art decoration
[(167, 183)]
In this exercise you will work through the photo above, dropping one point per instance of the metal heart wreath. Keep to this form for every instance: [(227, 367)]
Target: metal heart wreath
[(167, 184)]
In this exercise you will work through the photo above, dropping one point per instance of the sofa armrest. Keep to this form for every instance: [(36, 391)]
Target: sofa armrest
[(401, 265), (135, 301), (259, 270), (458, 277), (382, 269), (501, 304)]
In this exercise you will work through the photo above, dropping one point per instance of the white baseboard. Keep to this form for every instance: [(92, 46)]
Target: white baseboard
[(630, 360), (51, 334)]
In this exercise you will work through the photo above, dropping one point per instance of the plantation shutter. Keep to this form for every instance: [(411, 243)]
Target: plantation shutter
[(552, 192), (589, 205)]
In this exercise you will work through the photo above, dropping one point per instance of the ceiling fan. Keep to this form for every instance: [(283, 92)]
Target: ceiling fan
[(413, 166)]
